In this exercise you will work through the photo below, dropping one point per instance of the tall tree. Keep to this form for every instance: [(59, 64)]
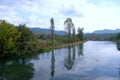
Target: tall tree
[(80, 33), (68, 26), (73, 33), (52, 30)]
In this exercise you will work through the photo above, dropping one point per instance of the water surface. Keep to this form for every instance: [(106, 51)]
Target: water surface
[(93, 60)]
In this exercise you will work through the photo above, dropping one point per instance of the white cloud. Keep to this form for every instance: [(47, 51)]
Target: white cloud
[(91, 14), (9, 14)]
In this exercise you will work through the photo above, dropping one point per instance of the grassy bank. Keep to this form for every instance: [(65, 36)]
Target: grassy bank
[(44, 47), (63, 45)]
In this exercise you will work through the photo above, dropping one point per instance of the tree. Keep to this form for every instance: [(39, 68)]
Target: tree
[(52, 30), (8, 38), (118, 36), (68, 26), (73, 34), (25, 42), (26, 34), (16, 40), (80, 33)]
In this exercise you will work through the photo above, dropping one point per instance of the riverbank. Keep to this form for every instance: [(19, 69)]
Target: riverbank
[(63, 45), (45, 47)]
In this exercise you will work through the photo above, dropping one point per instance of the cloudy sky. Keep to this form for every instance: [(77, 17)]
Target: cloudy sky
[(90, 14)]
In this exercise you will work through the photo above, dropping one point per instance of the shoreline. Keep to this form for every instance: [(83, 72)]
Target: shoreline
[(44, 49), (63, 45), (68, 44)]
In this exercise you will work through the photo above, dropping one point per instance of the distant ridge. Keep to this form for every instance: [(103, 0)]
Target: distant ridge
[(106, 31), (47, 31)]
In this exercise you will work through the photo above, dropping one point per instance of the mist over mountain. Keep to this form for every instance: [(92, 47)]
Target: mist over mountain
[(47, 31)]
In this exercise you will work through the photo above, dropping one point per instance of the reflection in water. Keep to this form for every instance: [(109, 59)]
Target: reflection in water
[(52, 65), (74, 53), (119, 71), (80, 50), (16, 70), (118, 46), (68, 60), (101, 62)]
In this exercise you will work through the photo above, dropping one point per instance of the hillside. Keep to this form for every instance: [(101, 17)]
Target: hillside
[(47, 31), (105, 34), (106, 31)]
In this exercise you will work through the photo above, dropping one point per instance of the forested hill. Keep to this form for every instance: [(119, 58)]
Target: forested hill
[(47, 31), (106, 31), (105, 34)]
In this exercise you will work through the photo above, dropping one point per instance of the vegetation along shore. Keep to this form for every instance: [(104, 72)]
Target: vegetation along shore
[(20, 40)]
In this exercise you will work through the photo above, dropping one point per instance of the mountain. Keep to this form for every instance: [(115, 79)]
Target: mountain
[(47, 31), (106, 31)]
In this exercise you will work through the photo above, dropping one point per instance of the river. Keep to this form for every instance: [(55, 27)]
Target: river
[(93, 60)]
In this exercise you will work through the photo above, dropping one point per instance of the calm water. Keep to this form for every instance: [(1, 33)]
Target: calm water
[(93, 60)]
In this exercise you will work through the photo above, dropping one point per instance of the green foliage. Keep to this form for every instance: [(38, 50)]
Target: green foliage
[(68, 27), (102, 37), (52, 30), (118, 36), (16, 40), (41, 36), (25, 42), (26, 34), (19, 40), (61, 39), (8, 37), (80, 34), (74, 38)]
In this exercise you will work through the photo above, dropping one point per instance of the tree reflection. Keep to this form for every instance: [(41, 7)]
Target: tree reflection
[(119, 71), (74, 53), (2, 73), (52, 65), (16, 70), (69, 59), (80, 50), (118, 46)]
